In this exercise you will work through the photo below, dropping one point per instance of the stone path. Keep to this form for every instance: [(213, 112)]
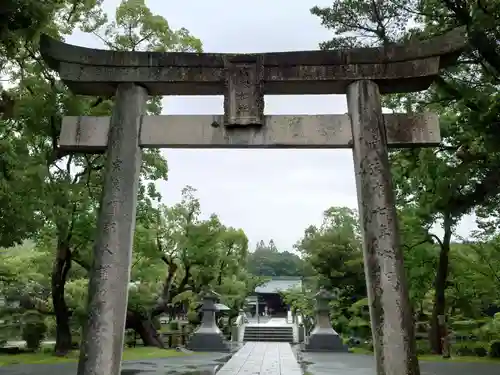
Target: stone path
[(259, 358), (262, 358), (355, 364), (196, 364)]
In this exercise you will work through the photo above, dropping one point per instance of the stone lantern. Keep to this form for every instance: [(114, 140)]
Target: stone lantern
[(208, 337), (323, 337)]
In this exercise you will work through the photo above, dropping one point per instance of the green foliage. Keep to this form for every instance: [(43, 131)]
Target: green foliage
[(489, 329), (334, 252), (52, 196), (478, 349), (33, 329), (193, 318), (444, 184), (266, 260), (359, 324), (22, 20), (10, 324), (174, 326), (494, 351), (301, 303)]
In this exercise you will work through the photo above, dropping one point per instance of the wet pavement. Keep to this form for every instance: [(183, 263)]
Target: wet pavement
[(195, 364), (356, 364), (258, 358), (266, 358)]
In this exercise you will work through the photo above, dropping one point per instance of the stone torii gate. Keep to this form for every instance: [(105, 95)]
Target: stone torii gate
[(363, 74)]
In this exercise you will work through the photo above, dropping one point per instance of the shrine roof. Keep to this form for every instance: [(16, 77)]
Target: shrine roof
[(277, 284)]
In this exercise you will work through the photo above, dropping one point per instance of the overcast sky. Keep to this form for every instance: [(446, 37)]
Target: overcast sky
[(271, 194)]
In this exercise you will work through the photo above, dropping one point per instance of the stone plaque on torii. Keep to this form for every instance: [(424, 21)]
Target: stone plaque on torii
[(363, 74)]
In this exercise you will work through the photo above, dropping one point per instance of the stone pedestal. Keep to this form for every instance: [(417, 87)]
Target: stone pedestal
[(323, 337), (208, 337)]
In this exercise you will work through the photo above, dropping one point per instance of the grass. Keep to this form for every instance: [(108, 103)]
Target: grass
[(45, 357), (438, 358)]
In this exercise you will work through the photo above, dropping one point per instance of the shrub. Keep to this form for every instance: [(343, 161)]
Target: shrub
[(465, 325), (491, 329), (193, 318), (33, 329), (477, 349), (495, 349), (130, 338), (367, 346), (423, 347), (481, 351)]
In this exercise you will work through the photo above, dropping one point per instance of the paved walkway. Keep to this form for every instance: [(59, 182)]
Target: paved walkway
[(262, 358), (199, 364), (356, 364)]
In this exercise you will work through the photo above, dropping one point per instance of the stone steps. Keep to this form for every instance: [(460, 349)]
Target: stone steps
[(268, 333)]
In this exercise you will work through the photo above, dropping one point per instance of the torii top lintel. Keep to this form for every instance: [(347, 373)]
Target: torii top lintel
[(395, 68)]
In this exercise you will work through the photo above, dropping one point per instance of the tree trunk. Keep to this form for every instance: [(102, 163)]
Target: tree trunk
[(142, 325), (145, 329), (61, 267), (437, 330), (162, 305)]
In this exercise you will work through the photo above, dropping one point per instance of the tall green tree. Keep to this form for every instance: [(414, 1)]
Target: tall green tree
[(176, 255), (463, 176), (333, 250), (266, 260), (66, 188)]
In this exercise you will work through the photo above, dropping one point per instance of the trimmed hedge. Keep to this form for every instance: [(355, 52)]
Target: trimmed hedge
[(470, 349), (494, 351)]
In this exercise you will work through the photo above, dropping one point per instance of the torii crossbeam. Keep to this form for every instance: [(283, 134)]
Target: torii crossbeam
[(362, 74)]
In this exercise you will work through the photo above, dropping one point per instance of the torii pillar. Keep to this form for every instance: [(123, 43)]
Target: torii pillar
[(362, 73)]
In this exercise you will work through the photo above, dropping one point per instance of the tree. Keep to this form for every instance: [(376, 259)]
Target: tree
[(22, 20), (334, 252), (266, 260), (68, 186), (177, 255), (454, 180), (420, 258)]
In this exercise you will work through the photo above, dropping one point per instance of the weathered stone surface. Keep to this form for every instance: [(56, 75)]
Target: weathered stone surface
[(244, 96), (55, 52), (356, 364), (390, 313), (202, 363), (264, 358), (334, 79), (323, 337), (208, 337), (102, 345), (395, 68), (89, 134)]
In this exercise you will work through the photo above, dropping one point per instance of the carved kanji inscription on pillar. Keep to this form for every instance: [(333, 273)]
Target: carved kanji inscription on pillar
[(244, 94)]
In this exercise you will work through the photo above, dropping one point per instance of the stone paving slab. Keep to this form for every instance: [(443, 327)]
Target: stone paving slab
[(200, 364), (262, 358), (356, 364)]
